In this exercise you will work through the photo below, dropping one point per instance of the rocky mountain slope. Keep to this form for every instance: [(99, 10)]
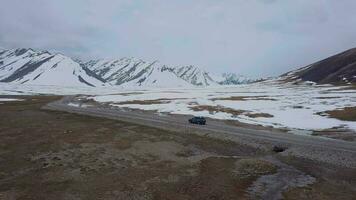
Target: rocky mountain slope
[(136, 72), (233, 79), (337, 69), (28, 66)]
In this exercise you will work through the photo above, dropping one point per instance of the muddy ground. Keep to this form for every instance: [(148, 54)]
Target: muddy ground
[(56, 155)]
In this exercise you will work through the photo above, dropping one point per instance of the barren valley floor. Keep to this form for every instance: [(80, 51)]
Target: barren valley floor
[(58, 155)]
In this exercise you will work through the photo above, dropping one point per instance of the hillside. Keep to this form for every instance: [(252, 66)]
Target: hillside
[(27, 66), (337, 69)]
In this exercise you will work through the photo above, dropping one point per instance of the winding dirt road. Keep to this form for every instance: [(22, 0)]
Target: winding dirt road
[(331, 151)]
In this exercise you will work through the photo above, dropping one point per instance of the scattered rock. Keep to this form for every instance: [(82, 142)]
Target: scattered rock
[(278, 148)]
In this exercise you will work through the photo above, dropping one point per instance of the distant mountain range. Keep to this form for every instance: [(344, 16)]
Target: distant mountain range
[(28, 66), (337, 69)]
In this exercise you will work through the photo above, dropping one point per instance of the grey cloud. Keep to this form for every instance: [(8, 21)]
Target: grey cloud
[(253, 37)]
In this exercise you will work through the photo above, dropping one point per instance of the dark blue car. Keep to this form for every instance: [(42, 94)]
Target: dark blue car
[(198, 120)]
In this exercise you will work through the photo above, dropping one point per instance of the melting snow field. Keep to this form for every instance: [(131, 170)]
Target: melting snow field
[(287, 106), (267, 103), (20, 89)]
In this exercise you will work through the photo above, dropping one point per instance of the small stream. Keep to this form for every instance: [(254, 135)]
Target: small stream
[(270, 187)]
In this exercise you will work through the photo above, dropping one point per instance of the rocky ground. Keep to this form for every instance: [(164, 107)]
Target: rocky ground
[(57, 155)]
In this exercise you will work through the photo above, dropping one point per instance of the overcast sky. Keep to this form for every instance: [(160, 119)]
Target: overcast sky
[(251, 37)]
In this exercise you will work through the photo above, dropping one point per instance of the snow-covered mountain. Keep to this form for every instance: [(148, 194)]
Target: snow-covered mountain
[(233, 79), (193, 75), (136, 72), (27, 66)]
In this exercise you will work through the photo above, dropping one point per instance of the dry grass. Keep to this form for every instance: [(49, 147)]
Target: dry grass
[(254, 167), (149, 102), (326, 187), (256, 115), (244, 98), (347, 87), (214, 109), (345, 114), (352, 87), (328, 97), (143, 102), (57, 155)]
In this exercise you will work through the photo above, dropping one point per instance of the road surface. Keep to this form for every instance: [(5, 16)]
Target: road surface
[(330, 151)]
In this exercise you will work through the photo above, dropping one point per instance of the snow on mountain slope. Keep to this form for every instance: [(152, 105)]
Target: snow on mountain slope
[(118, 72), (194, 75), (232, 79), (10, 61), (159, 77), (136, 72), (27, 66), (337, 69)]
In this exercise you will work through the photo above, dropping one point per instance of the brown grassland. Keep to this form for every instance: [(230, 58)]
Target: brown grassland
[(56, 155)]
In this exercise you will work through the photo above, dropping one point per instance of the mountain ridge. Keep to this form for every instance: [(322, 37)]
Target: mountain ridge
[(29, 66), (337, 69)]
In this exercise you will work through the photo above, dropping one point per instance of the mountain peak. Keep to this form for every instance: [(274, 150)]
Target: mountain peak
[(28, 66)]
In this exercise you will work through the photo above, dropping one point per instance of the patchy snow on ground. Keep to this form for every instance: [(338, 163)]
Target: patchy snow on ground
[(79, 105), (22, 89), (267, 103), (288, 106)]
